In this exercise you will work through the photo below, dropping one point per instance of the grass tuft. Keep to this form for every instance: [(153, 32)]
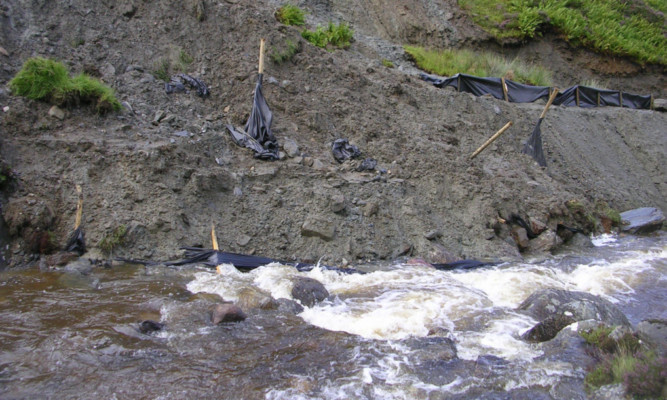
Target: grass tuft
[(290, 14), (332, 36), (113, 240), (451, 62), (287, 53), (48, 80)]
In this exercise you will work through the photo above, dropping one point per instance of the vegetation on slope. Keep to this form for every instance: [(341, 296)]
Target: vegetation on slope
[(451, 62), (632, 28), (48, 80)]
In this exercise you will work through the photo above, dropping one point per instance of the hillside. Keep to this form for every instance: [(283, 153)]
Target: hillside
[(140, 170)]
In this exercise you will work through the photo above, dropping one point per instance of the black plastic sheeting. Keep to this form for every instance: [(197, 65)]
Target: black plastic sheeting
[(575, 96), (76, 242), (243, 262), (178, 82), (257, 135), (343, 150), (533, 146)]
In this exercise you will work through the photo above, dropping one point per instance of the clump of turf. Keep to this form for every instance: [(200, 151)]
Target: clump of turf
[(48, 80), (332, 36)]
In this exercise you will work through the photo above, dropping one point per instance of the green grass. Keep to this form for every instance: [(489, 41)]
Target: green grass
[(48, 80), (635, 29), (290, 14), (287, 53), (451, 62), (387, 63), (330, 37), (113, 240)]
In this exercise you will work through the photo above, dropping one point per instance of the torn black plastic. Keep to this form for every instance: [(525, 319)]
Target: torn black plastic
[(343, 150), (178, 82)]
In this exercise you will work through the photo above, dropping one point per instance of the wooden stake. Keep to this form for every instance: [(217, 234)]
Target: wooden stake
[(214, 240), (577, 95), (261, 56), (491, 139), (504, 88), (620, 97), (79, 207), (551, 100)]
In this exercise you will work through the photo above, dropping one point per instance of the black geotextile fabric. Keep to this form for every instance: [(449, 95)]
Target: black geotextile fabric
[(521, 93), (257, 135), (178, 82), (533, 147), (76, 242), (343, 150), (243, 262)]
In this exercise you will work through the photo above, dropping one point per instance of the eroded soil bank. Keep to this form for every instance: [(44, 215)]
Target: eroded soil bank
[(167, 169)]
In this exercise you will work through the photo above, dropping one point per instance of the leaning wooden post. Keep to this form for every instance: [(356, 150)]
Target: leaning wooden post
[(491, 139), (214, 240), (504, 88)]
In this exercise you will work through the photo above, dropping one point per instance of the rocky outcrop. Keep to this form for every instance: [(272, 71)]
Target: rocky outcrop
[(642, 220), (556, 309)]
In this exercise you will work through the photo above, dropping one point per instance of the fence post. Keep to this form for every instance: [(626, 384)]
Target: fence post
[(620, 98), (577, 95), (504, 88)]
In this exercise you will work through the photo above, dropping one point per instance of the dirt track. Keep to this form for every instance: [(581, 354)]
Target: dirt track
[(426, 199)]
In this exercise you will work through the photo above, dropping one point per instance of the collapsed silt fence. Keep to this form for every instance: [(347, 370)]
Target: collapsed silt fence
[(508, 90)]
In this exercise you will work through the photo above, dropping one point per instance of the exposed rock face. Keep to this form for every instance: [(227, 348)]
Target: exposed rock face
[(308, 291), (654, 332), (642, 220), (556, 309)]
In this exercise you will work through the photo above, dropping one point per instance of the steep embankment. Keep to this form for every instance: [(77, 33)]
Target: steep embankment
[(140, 169)]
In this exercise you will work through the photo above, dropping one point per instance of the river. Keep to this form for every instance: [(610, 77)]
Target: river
[(400, 331)]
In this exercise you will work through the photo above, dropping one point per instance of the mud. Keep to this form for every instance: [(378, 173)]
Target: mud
[(166, 168)]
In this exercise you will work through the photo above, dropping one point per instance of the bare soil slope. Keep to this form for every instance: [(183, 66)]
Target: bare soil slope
[(139, 169)]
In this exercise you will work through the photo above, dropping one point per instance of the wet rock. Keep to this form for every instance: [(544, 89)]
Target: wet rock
[(316, 226), (520, 236), (227, 313), (82, 266), (308, 291), (546, 242), (147, 327), (642, 220), (250, 297), (556, 308), (654, 332), (57, 112), (60, 258), (430, 349), (548, 328), (289, 306), (580, 241)]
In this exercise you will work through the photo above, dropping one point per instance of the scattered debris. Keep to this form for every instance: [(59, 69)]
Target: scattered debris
[(178, 82), (343, 150)]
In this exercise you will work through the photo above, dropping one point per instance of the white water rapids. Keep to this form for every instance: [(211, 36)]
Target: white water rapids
[(477, 308)]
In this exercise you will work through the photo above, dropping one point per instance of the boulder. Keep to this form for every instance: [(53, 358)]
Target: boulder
[(520, 236), (546, 242), (316, 226), (147, 327), (308, 291), (227, 312), (654, 332), (642, 220), (556, 308)]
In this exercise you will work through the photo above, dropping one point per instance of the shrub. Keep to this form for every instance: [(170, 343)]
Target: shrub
[(333, 35), (291, 15), (48, 80)]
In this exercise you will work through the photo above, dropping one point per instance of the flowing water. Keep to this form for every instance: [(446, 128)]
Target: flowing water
[(400, 331)]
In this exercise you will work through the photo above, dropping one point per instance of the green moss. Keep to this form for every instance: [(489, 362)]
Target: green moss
[(290, 14), (113, 240), (339, 36), (48, 80)]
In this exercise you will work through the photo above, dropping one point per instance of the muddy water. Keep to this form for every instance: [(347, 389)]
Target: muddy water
[(399, 331)]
